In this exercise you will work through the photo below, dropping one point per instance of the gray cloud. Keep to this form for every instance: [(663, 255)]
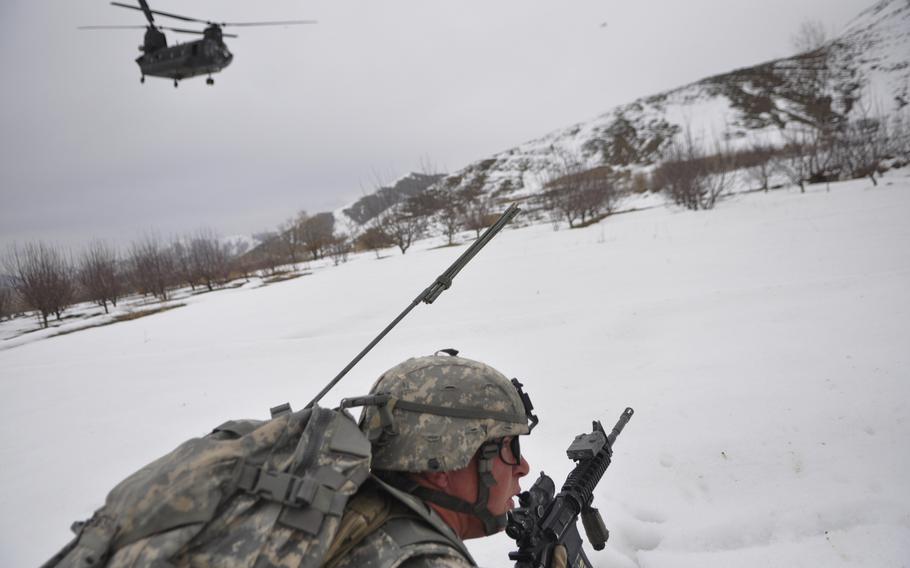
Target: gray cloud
[(305, 117)]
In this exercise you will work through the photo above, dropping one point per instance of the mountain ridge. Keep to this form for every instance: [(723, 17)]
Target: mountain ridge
[(741, 107)]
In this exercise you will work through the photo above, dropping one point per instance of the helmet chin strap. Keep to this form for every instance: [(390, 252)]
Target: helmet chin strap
[(492, 524)]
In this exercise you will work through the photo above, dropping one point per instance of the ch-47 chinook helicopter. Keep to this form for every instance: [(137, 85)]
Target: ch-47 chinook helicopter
[(200, 57)]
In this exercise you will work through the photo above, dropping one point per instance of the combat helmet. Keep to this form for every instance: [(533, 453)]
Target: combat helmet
[(433, 414)]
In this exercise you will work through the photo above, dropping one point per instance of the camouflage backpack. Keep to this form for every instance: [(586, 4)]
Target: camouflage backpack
[(250, 494)]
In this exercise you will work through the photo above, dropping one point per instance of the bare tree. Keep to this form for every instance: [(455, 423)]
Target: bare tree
[(269, 253), (44, 278), (577, 195), (899, 134), (209, 258), (339, 248), (761, 166), (450, 210), (240, 261), (374, 239), (443, 203), (6, 302), (809, 37), (476, 211), (401, 222), (806, 156), (404, 224), (99, 274), (718, 179), (291, 238), (865, 142), (152, 266), (183, 262), (691, 176), (317, 234)]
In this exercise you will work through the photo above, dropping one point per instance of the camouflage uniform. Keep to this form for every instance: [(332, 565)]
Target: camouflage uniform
[(413, 536), (432, 414), (296, 491)]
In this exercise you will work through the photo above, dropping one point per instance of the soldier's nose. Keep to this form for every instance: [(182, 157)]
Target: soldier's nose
[(522, 468)]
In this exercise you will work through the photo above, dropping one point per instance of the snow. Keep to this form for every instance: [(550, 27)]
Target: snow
[(880, 38), (763, 346)]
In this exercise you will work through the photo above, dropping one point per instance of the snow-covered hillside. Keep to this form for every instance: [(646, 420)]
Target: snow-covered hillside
[(763, 346), (869, 61)]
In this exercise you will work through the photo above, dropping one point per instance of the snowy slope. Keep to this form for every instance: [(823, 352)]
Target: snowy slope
[(869, 61), (878, 41), (763, 346), (354, 215)]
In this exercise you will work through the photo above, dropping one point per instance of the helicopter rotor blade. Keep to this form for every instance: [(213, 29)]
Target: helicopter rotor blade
[(148, 14), (158, 13), (195, 32), (181, 30), (111, 27), (276, 23), (147, 11)]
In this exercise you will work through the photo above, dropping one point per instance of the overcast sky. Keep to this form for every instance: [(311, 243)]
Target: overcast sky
[(309, 117)]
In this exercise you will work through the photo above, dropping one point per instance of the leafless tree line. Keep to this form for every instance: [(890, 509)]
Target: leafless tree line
[(446, 208), (300, 238), (863, 147), (47, 279)]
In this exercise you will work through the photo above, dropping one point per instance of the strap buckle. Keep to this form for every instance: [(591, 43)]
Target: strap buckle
[(277, 486)]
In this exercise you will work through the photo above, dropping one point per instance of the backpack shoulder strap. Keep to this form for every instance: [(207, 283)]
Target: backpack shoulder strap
[(428, 515), (368, 510)]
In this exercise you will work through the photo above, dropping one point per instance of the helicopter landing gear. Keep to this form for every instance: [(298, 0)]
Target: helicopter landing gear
[(142, 79), (209, 81)]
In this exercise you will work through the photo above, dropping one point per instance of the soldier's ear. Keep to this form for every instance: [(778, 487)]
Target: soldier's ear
[(437, 479)]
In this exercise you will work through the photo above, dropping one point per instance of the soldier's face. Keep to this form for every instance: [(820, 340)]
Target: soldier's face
[(464, 483), (502, 495)]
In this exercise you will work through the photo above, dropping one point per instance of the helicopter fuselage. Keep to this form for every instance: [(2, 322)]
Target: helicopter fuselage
[(200, 57)]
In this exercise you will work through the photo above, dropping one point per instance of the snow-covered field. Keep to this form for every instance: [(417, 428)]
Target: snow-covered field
[(765, 347)]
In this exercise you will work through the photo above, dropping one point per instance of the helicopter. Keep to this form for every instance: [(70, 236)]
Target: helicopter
[(183, 60)]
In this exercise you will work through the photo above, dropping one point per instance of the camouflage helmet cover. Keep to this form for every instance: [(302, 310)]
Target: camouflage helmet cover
[(443, 408)]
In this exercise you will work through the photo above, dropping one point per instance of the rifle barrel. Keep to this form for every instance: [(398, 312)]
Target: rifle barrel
[(617, 430)]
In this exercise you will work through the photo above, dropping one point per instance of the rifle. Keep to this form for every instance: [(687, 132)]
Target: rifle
[(543, 521), (429, 295)]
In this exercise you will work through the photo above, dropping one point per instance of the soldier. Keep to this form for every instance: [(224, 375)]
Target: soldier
[(446, 464), (443, 437)]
